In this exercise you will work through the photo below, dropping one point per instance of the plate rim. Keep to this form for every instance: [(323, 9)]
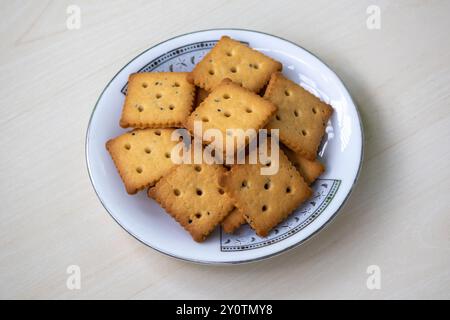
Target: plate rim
[(264, 257)]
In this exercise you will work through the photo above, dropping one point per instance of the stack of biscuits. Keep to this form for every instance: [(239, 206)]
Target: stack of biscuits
[(233, 86)]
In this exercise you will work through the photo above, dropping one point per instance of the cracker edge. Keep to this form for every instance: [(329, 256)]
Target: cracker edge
[(298, 167), (320, 171), (231, 228)]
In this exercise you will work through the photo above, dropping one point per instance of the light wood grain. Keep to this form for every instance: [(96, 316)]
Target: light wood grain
[(397, 218)]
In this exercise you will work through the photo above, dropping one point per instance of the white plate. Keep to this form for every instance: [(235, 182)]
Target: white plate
[(341, 152)]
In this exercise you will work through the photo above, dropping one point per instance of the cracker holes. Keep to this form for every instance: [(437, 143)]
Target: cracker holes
[(278, 117), (295, 113), (144, 85), (198, 215), (219, 110), (267, 185), (227, 114), (148, 150), (226, 96), (167, 155), (157, 83), (157, 132), (140, 108), (176, 192), (221, 191), (229, 53), (287, 93), (127, 146), (264, 208), (268, 163), (233, 69), (133, 133), (216, 100), (139, 170), (199, 192), (254, 66), (288, 190), (176, 85), (171, 107), (158, 96), (244, 184), (198, 168), (190, 221), (205, 119), (248, 110), (314, 110), (211, 72), (304, 133)]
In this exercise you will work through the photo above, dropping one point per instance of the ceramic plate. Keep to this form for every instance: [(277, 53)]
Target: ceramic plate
[(341, 152)]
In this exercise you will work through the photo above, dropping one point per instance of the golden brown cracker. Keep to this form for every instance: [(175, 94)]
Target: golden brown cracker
[(233, 221), (301, 117), (142, 156), (266, 200), (231, 106), (309, 169), (192, 195), (157, 100), (234, 60)]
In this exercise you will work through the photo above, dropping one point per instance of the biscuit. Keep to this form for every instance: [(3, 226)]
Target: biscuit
[(192, 195), (142, 156), (157, 100), (301, 117), (234, 60), (266, 200), (233, 221), (231, 106), (310, 170)]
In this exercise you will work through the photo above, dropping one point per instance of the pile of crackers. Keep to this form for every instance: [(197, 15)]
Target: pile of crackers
[(233, 86)]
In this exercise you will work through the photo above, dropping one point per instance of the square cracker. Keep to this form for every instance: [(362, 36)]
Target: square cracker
[(234, 60), (192, 195), (233, 221), (309, 169), (142, 156), (266, 200), (301, 117), (157, 100), (231, 106)]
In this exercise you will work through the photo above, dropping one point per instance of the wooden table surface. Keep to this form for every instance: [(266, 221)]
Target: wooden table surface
[(398, 218)]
